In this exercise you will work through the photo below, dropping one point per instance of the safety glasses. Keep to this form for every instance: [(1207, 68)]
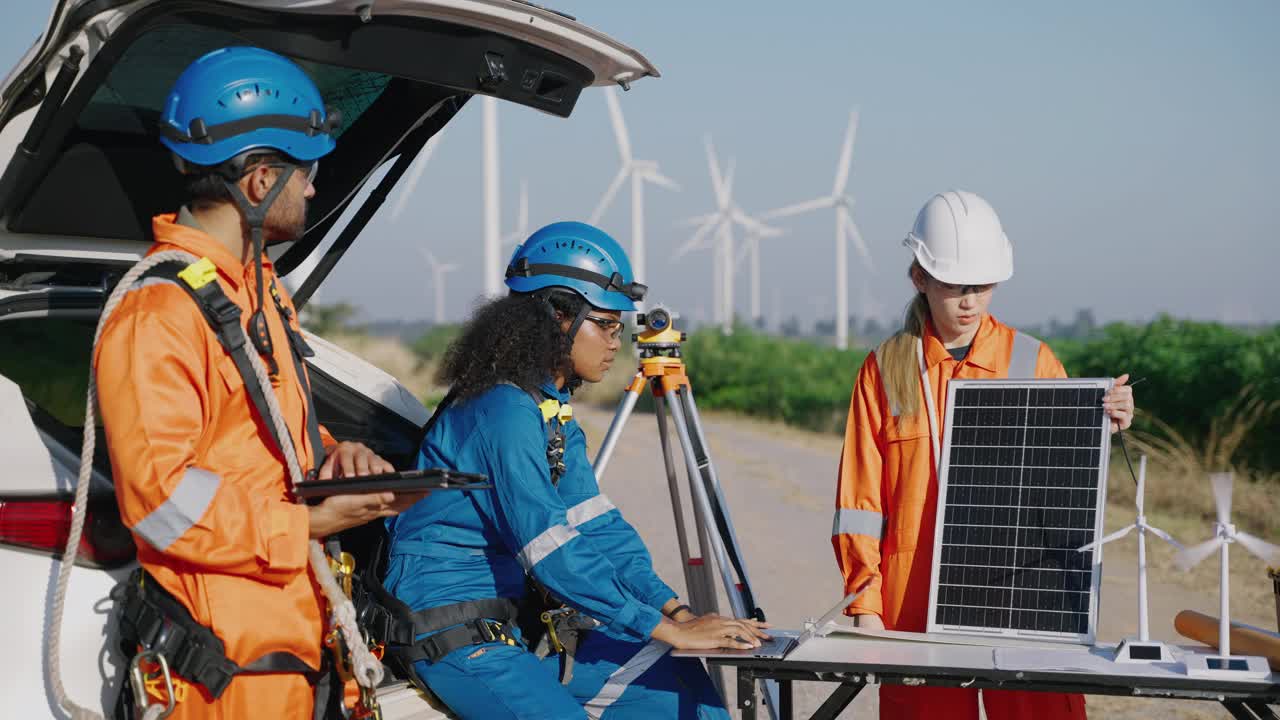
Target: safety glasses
[(610, 326)]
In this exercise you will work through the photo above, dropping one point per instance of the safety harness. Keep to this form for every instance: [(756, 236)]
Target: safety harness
[(545, 623), (151, 618)]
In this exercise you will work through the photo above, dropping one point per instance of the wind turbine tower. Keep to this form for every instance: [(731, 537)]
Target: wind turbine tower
[(638, 172), (492, 271), (846, 229), (438, 271)]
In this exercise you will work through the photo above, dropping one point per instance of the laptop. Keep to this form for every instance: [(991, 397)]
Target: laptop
[(782, 642)]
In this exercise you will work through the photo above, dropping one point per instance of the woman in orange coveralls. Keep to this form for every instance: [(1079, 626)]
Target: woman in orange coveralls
[(888, 485)]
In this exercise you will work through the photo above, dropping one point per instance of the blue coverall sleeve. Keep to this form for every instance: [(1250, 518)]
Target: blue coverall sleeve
[(629, 555), (597, 518), (532, 520)]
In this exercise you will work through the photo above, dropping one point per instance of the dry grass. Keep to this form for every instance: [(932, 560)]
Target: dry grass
[(395, 358)]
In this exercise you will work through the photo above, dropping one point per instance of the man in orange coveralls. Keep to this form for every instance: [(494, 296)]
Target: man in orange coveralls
[(887, 492), (199, 478)]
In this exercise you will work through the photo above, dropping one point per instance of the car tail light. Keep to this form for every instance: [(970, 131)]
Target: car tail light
[(42, 524)]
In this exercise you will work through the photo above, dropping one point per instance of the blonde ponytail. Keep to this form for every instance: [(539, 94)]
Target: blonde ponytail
[(897, 356)]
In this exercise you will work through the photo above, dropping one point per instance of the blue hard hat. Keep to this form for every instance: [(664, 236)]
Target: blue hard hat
[(577, 257), (237, 99)]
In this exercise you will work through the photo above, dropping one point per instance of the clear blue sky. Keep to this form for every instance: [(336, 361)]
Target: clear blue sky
[(1131, 149)]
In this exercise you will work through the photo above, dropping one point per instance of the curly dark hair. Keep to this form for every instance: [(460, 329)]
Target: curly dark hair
[(516, 339)]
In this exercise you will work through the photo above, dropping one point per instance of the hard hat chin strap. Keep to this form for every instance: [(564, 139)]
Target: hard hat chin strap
[(255, 216)]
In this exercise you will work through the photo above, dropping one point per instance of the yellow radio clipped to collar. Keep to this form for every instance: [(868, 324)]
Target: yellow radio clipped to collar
[(199, 273), (552, 408)]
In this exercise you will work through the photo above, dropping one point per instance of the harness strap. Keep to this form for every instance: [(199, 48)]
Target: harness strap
[(154, 619), (199, 280)]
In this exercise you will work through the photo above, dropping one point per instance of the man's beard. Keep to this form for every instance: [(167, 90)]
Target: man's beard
[(286, 221)]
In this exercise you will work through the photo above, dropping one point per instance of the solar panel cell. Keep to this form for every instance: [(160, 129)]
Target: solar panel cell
[(1020, 489)]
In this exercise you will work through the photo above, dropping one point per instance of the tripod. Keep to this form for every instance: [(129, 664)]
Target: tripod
[(662, 368)]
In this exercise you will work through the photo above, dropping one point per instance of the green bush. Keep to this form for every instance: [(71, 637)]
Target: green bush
[(794, 381), (433, 343), (1192, 373)]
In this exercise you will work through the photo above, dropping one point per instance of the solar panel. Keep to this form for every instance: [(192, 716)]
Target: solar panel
[(1022, 484)]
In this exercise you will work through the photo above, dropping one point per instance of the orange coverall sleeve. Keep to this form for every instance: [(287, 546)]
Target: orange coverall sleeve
[(153, 393), (858, 525)]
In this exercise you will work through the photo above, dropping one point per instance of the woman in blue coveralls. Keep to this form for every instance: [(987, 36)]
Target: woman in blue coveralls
[(460, 559)]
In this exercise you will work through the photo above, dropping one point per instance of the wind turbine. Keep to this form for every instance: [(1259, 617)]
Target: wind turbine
[(438, 271), (1142, 649), (639, 172), (415, 174), (719, 224), (750, 252), (1224, 664), (521, 233), (846, 230), (492, 270)]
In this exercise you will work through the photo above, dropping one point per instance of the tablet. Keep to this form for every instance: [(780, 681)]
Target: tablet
[(404, 481)]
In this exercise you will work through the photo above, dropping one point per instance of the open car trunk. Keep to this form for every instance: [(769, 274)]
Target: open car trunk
[(81, 174)]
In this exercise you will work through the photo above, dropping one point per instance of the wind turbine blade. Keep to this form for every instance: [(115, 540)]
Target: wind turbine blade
[(1113, 536), (619, 125), (415, 174), (429, 257), (658, 178), (695, 242), (727, 198), (1164, 536), (1265, 551), (603, 205), (697, 220), (796, 209), (1188, 558), (846, 156), (1142, 484), (852, 233), (713, 166), (1221, 483), (744, 251), (754, 226)]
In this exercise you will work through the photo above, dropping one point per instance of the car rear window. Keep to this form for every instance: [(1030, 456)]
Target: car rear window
[(133, 95), (48, 358)]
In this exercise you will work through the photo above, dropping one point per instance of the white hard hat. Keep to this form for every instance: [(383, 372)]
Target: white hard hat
[(957, 239)]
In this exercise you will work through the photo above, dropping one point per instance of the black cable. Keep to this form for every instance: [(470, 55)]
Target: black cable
[(1123, 448)]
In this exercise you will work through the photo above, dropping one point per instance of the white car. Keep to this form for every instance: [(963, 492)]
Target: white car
[(83, 173)]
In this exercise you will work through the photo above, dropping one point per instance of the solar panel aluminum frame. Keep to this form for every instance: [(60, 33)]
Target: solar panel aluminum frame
[(1104, 447)]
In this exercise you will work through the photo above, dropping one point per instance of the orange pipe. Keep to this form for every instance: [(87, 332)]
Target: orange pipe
[(1245, 639)]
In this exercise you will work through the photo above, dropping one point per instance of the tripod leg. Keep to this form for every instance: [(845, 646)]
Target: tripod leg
[(716, 493), (702, 504), (710, 503), (694, 580), (629, 398)]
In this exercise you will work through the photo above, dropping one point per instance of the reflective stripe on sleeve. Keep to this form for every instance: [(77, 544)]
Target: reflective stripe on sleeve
[(858, 522), (1023, 356), (184, 507), (622, 678), (548, 542), (589, 510)]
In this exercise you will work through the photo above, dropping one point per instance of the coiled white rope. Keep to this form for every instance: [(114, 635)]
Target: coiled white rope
[(368, 670)]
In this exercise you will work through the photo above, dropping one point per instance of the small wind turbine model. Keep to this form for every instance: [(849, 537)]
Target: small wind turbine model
[(1224, 664), (1141, 649)]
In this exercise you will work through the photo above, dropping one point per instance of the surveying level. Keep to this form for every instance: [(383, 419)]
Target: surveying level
[(662, 368)]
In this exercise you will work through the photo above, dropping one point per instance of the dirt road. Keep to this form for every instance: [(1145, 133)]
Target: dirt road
[(779, 483)]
